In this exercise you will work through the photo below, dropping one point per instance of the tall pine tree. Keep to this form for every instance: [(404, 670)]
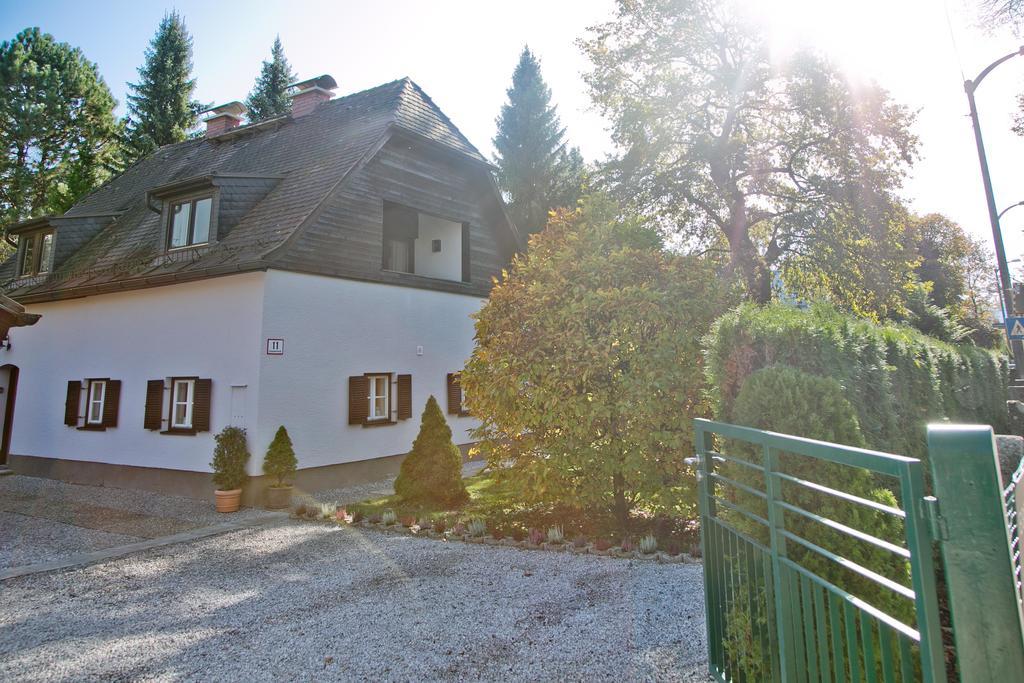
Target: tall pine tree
[(160, 106), (57, 126), (269, 97), (535, 171)]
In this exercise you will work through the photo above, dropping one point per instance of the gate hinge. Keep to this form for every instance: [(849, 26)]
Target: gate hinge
[(932, 515)]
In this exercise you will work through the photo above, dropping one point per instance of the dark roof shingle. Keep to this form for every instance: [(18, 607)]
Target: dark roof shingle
[(311, 155)]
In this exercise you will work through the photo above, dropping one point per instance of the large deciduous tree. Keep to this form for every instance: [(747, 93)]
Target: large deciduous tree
[(161, 110), (56, 124), (944, 249), (954, 297), (1002, 12), (535, 170), (269, 96), (773, 162), (588, 366)]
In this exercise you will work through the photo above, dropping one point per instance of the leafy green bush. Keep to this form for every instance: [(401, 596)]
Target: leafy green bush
[(229, 458), (280, 461), (588, 366), (896, 378), (432, 472)]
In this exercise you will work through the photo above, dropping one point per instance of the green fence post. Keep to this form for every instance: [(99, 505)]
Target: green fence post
[(776, 522), (704, 441), (986, 616)]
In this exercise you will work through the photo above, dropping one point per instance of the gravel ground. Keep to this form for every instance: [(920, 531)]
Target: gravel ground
[(28, 540), (44, 519), (312, 601), (50, 493)]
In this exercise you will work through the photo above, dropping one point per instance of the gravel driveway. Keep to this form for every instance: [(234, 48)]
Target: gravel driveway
[(310, 601), (44, 519)]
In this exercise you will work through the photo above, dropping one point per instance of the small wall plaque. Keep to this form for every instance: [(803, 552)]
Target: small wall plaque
[(275, 347)]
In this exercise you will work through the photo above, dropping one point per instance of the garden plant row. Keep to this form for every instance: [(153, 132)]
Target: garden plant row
[(475, 531)]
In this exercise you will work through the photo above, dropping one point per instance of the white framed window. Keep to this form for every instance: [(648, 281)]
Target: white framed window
[(379, 397), (190, 222), (183, 393), (97, 397), (37, 253)]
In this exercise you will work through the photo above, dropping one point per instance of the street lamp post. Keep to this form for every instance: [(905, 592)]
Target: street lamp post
[(1002, 304), (1011, 206), (993, 212)]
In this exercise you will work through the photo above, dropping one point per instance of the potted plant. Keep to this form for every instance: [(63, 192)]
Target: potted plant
[(229, 458), (280, 463)]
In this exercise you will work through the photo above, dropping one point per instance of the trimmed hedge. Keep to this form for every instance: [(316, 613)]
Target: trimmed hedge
[(788, 400), (896, 378)]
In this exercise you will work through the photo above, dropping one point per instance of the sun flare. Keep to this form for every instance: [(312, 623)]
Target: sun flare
[(842, 30)]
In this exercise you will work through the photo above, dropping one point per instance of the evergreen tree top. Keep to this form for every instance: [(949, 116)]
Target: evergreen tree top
[(535, 171), (161, 110), (58, 129), (269, 96), (528, 116)]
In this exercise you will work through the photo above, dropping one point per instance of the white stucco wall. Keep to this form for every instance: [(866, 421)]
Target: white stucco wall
[(447, 263), (210, 328), (336, 328), (218, 328)]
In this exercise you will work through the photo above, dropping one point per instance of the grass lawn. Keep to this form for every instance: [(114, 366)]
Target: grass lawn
[(495, 501)]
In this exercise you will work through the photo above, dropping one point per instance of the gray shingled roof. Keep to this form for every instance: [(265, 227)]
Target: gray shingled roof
[(311, 154)]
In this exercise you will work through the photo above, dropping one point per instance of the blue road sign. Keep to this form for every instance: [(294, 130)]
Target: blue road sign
[(1015, 327)]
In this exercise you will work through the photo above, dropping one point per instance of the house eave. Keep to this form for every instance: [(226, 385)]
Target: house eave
[(37, 223), (146, 282)]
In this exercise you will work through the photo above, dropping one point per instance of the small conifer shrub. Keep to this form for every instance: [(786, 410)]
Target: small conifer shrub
[(280, 461), (229, 458), (432, 472)]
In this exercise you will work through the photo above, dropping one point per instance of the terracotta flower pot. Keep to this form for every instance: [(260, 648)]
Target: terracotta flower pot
[(228, 501), (279, 497)]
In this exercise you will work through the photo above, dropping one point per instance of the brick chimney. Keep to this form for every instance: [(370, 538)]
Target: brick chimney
[(224, 118), (310, 94)]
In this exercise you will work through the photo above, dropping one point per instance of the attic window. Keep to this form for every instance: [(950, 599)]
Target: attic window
[(423, 244), (36, 253), (189, 222)]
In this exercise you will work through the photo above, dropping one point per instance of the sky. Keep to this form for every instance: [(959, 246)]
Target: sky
[(463, 53)]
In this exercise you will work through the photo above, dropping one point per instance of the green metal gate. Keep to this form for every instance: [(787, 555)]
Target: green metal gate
[(775, 606)]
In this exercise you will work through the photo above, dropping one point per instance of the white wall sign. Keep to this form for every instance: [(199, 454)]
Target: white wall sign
[(275, 347)]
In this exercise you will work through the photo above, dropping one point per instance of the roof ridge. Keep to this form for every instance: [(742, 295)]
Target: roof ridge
[(358, 93), (406, 82)]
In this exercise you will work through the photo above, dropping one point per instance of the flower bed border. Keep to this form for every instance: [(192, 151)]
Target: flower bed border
[(567, 548)]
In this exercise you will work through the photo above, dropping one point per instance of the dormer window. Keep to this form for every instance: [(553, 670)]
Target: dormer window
[(423, 244), (36, 253), (189, 223)]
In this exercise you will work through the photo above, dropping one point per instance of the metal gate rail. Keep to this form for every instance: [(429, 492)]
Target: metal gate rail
[(771, 613)]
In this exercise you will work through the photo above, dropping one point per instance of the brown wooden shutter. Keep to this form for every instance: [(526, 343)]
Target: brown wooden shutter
[(154, 404), (201, 405), (358, 399), (454, 394), (466, 275), (404, 397), (111, 402), (71, 403)]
